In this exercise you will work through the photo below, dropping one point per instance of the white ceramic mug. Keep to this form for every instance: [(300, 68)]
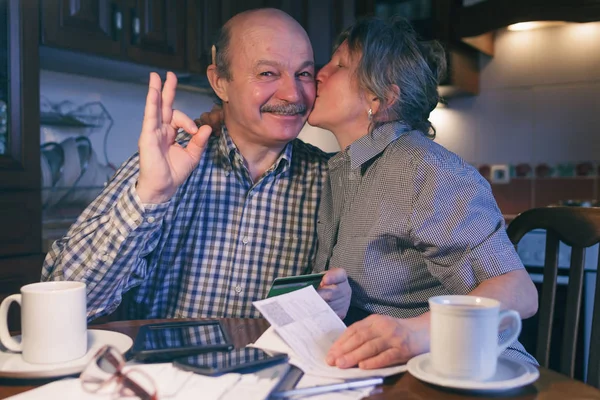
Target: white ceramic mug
[(53, 322), (464, 336)]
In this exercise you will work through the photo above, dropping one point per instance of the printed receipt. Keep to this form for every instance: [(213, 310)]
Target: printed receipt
[(309, 327)]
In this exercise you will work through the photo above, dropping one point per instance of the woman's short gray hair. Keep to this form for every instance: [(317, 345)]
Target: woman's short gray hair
[(391, 54)]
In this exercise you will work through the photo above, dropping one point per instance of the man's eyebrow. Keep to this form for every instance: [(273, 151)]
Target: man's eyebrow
[(276, 64)]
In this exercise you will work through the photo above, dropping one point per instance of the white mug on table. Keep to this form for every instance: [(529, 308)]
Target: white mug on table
[(53, 322), (464, 335)]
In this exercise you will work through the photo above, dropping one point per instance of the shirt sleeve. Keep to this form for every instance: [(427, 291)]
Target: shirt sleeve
[(107, 247), (457, 226)]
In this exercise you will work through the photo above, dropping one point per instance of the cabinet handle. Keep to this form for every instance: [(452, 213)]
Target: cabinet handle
[(135, 28), (118, 20), (117, 23)]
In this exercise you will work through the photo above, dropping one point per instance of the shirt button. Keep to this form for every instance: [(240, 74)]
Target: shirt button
[(351, 176), (245, 240), (151, 220), (238, 289), (104, 257), (104, 219)]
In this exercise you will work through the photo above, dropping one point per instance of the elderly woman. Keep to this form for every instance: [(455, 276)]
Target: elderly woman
[(406, 218)]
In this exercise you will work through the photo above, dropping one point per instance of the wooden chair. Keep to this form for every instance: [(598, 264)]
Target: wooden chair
[(579, 228)]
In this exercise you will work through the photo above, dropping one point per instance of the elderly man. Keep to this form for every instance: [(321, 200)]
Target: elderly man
[(197, 225)]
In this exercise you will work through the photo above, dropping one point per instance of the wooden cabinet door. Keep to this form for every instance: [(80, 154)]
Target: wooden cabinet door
[(91, 25), (204, 18), (156, 32), (20, 202), (19, 92)]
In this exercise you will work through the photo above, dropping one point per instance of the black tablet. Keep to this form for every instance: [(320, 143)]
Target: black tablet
[(169, 340), (247, 359)]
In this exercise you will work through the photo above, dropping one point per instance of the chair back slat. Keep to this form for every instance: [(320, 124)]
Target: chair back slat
[(593, 374), (579, 228), (546, 308), (571, 326)]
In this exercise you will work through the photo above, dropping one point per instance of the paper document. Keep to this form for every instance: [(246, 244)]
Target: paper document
[(171, 383), (309, 327)]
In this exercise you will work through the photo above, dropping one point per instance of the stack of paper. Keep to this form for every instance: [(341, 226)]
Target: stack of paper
[(305, 327)]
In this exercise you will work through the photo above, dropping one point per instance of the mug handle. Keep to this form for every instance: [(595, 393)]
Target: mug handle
[(5, 338), (515, 328)]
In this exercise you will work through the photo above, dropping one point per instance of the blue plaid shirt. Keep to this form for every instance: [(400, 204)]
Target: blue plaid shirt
[(210, 251)]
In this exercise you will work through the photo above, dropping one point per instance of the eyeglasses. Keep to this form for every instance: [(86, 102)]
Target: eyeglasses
[(105, 374)]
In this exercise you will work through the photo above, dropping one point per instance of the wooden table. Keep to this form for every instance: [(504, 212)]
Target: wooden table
[(551, 385)]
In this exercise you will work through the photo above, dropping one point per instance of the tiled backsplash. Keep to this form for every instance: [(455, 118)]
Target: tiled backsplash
[(545, 184)]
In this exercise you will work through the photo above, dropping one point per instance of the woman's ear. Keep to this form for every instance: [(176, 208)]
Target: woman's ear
[(392, 96), (218, 83)]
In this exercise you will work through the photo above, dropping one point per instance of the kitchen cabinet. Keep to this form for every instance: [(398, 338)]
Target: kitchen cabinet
[(20, 200), (434, 20), (322, 19), (489, 15), (143, 31)]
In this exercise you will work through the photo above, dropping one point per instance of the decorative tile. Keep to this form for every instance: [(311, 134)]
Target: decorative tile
[(544, 171), (585, 168), (522, 170)]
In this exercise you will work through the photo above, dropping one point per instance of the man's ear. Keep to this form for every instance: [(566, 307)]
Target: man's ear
[(218, 83)]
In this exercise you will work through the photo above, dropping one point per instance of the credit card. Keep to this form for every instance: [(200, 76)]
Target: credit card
[(290, 283)]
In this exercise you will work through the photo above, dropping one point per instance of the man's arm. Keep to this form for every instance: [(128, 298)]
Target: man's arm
[(106, 247), (380, 341)]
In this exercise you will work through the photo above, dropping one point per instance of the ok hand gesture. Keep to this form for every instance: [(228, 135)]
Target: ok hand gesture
[(164, 164)]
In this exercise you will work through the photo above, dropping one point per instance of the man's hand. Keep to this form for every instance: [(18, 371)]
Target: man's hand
[(214, 119), (164, 164), (336, 291), (380, 341)]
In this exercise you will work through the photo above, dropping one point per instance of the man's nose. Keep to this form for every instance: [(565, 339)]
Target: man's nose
[(290, 90)]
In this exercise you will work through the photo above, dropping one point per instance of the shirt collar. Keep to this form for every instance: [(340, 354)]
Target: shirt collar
[(229, 151), (368, 146)]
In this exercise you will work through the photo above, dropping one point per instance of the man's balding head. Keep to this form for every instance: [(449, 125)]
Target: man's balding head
[(235, 28)]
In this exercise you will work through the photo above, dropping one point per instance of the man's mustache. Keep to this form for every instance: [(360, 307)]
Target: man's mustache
[(284, 109)]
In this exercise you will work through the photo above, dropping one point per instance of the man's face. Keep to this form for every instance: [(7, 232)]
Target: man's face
[(272, 89)]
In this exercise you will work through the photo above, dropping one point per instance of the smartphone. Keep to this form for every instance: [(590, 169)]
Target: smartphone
[(247, 359), (290, 283), (166, 341)]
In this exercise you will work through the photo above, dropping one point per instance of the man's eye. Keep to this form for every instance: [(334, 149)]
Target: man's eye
[(305, 74), (267, 73)]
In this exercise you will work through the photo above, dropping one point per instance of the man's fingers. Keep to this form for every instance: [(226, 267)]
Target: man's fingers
[(151, 112), (197, 144), (168, 96), (182, 121)]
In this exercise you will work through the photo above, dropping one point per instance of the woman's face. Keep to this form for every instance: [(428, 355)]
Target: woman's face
[(341, 106)]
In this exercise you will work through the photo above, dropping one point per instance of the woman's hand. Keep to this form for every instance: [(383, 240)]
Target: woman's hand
[(214, 119), (380, 341), (335, 290), (164, 164)]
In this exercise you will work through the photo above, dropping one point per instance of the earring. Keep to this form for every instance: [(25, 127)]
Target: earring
[(370, 113)]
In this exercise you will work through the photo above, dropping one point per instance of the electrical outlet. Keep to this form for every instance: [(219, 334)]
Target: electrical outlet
[(500, 173)]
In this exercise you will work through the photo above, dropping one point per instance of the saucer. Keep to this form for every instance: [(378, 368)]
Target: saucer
[(510, 374), (12, 364)]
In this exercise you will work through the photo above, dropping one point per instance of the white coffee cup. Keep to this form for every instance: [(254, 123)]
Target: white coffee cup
[(53, 322), (464, 336)]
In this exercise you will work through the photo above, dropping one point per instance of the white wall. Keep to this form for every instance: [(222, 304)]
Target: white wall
[(539, 100), (125, 103)]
